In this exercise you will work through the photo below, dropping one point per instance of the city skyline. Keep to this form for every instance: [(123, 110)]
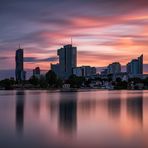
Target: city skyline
[(67, 65), (100, 33)]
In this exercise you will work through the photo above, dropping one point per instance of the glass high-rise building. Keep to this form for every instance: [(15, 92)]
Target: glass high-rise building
[(135, 66), (19, 71), (67, 60)]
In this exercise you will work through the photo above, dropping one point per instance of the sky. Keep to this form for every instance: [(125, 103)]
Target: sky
[(104, 31)]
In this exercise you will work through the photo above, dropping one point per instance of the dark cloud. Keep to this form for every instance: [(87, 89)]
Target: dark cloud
[(3, 58), (34, 59)]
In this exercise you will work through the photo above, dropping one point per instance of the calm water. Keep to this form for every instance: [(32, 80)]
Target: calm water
[(101, 119)]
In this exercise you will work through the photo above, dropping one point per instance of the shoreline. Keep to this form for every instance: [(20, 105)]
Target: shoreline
[(73, 89)]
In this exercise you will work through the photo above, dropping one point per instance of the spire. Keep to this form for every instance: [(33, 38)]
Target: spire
[(19, 46)]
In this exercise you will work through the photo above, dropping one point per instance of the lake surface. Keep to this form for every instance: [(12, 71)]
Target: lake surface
[(93, 119)]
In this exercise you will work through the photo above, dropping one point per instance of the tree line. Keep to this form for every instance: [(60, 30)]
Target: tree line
[(50, 80)]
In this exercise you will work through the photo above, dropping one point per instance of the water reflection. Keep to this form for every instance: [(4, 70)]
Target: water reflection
[(53, 107), (87, 106), (135, 108), (68, 114), (20, 100), (37, 104), (114, 107), (79, 119)]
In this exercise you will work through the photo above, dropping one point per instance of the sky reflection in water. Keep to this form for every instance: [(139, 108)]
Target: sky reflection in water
[(78, 119)]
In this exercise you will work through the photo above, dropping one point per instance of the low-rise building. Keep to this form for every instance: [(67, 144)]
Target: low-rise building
[(114, 68), (36, 72), (84, 71), (56, 69)]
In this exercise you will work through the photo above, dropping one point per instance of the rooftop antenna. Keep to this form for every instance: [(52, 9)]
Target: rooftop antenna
[(19, 46)]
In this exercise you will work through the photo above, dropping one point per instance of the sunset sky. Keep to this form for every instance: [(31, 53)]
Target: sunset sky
[(104, 31)]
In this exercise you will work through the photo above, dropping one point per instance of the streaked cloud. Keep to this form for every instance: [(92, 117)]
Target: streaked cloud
[(33, 59)]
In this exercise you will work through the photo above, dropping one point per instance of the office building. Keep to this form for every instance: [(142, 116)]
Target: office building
[(84, 71), (114, 68), (20, 74), (135, 66), (67, 61), (56, 69), (78, 71), (104, 71), (36, 72), (128, 68)]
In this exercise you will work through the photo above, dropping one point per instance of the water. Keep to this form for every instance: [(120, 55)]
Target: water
[(101, 119)]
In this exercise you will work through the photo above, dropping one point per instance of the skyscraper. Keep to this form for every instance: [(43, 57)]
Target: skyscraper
[(128, 68), (67, 61), (19, 71), (135, 66)]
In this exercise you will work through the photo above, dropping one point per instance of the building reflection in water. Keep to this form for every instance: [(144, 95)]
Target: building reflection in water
[(53, 108), (135, 108), (114, 104), (37, 104), (20, 96), (68, 114), (87, 106), (114, 107)]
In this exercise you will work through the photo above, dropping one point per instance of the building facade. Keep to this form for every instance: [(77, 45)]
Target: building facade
[(114, 68), (67, 61), (84, 71), (135, 66), (140, 64), (36, 72), (56, 69), (20, 74)]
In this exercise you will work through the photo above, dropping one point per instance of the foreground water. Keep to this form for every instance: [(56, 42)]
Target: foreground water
[(40, 119)]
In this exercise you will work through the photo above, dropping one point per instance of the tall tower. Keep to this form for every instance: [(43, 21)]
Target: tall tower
[(67, 60), (19, 71)]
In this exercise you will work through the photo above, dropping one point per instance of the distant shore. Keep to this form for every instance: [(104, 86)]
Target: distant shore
[(71, 89)]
